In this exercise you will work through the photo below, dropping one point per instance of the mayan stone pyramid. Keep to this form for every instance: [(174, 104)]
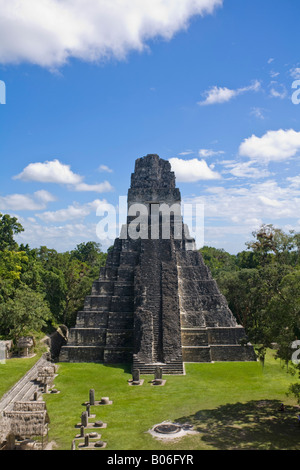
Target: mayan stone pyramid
[(155, 302)]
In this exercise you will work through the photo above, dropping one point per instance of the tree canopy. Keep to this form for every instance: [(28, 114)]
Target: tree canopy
[(9, 226), (41, 288)]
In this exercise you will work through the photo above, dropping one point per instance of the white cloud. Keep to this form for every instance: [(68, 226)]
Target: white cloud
[(104, 187), (48, 32), (61, 237), (263, 201), (74, 211), (295, 73), (217, 95), (231, 214), (258, 113), (186, 152), (105, 168), (209, 153), (245, 169), (191, 171), (274, 74), (44, 196), (295, 181), (25, 202), (273, 146), (49, 172), (270, 202), (279, 92), (57, 172)]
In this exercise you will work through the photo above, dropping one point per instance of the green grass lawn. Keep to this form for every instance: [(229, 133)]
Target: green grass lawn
[(13, 370), (232, 405)]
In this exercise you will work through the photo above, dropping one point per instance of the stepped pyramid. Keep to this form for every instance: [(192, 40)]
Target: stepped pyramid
[(155, 302)]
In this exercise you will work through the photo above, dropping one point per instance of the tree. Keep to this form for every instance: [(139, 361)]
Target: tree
[(241, 289), (66, 278), (218, 260), (294, 390), (9, 226), (25, 313), (55, 288), (272, 244), (78, 281), (283, 315), (247, 260), (11, 265), (89, 253)]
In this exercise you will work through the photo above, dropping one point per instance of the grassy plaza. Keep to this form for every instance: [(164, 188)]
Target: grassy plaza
[(230, 405)]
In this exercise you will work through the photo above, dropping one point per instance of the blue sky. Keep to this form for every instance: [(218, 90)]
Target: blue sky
[(206, 84)]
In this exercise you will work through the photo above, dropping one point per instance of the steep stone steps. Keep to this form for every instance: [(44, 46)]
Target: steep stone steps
[(175, 367), (24, 388)]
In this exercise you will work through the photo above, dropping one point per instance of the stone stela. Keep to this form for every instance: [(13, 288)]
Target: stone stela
[(155, 303)]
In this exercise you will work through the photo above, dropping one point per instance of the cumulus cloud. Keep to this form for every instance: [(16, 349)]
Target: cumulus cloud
[(266, 201), (25, 202), (48, 32), (244, 169), (232, 213), (191, 171), (74, 211), (62, 237), (57, 172), (49, 172), (218, 95), (295, 181), (273, 146)]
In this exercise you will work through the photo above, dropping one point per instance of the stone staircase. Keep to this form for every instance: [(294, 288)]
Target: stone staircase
[(22, 413), (175, 367), (24, 389), (104, 328)]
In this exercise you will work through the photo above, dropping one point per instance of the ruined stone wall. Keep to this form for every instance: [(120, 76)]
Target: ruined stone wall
[(57, 340), (5, 427), (27, 423)]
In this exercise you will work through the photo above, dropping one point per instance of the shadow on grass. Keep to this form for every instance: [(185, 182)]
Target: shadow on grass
[(126, 367), (255, 425)]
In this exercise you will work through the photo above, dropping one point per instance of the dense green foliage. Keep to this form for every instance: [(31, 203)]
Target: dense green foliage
[(9, 226), (262, 287), (41, 288)]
